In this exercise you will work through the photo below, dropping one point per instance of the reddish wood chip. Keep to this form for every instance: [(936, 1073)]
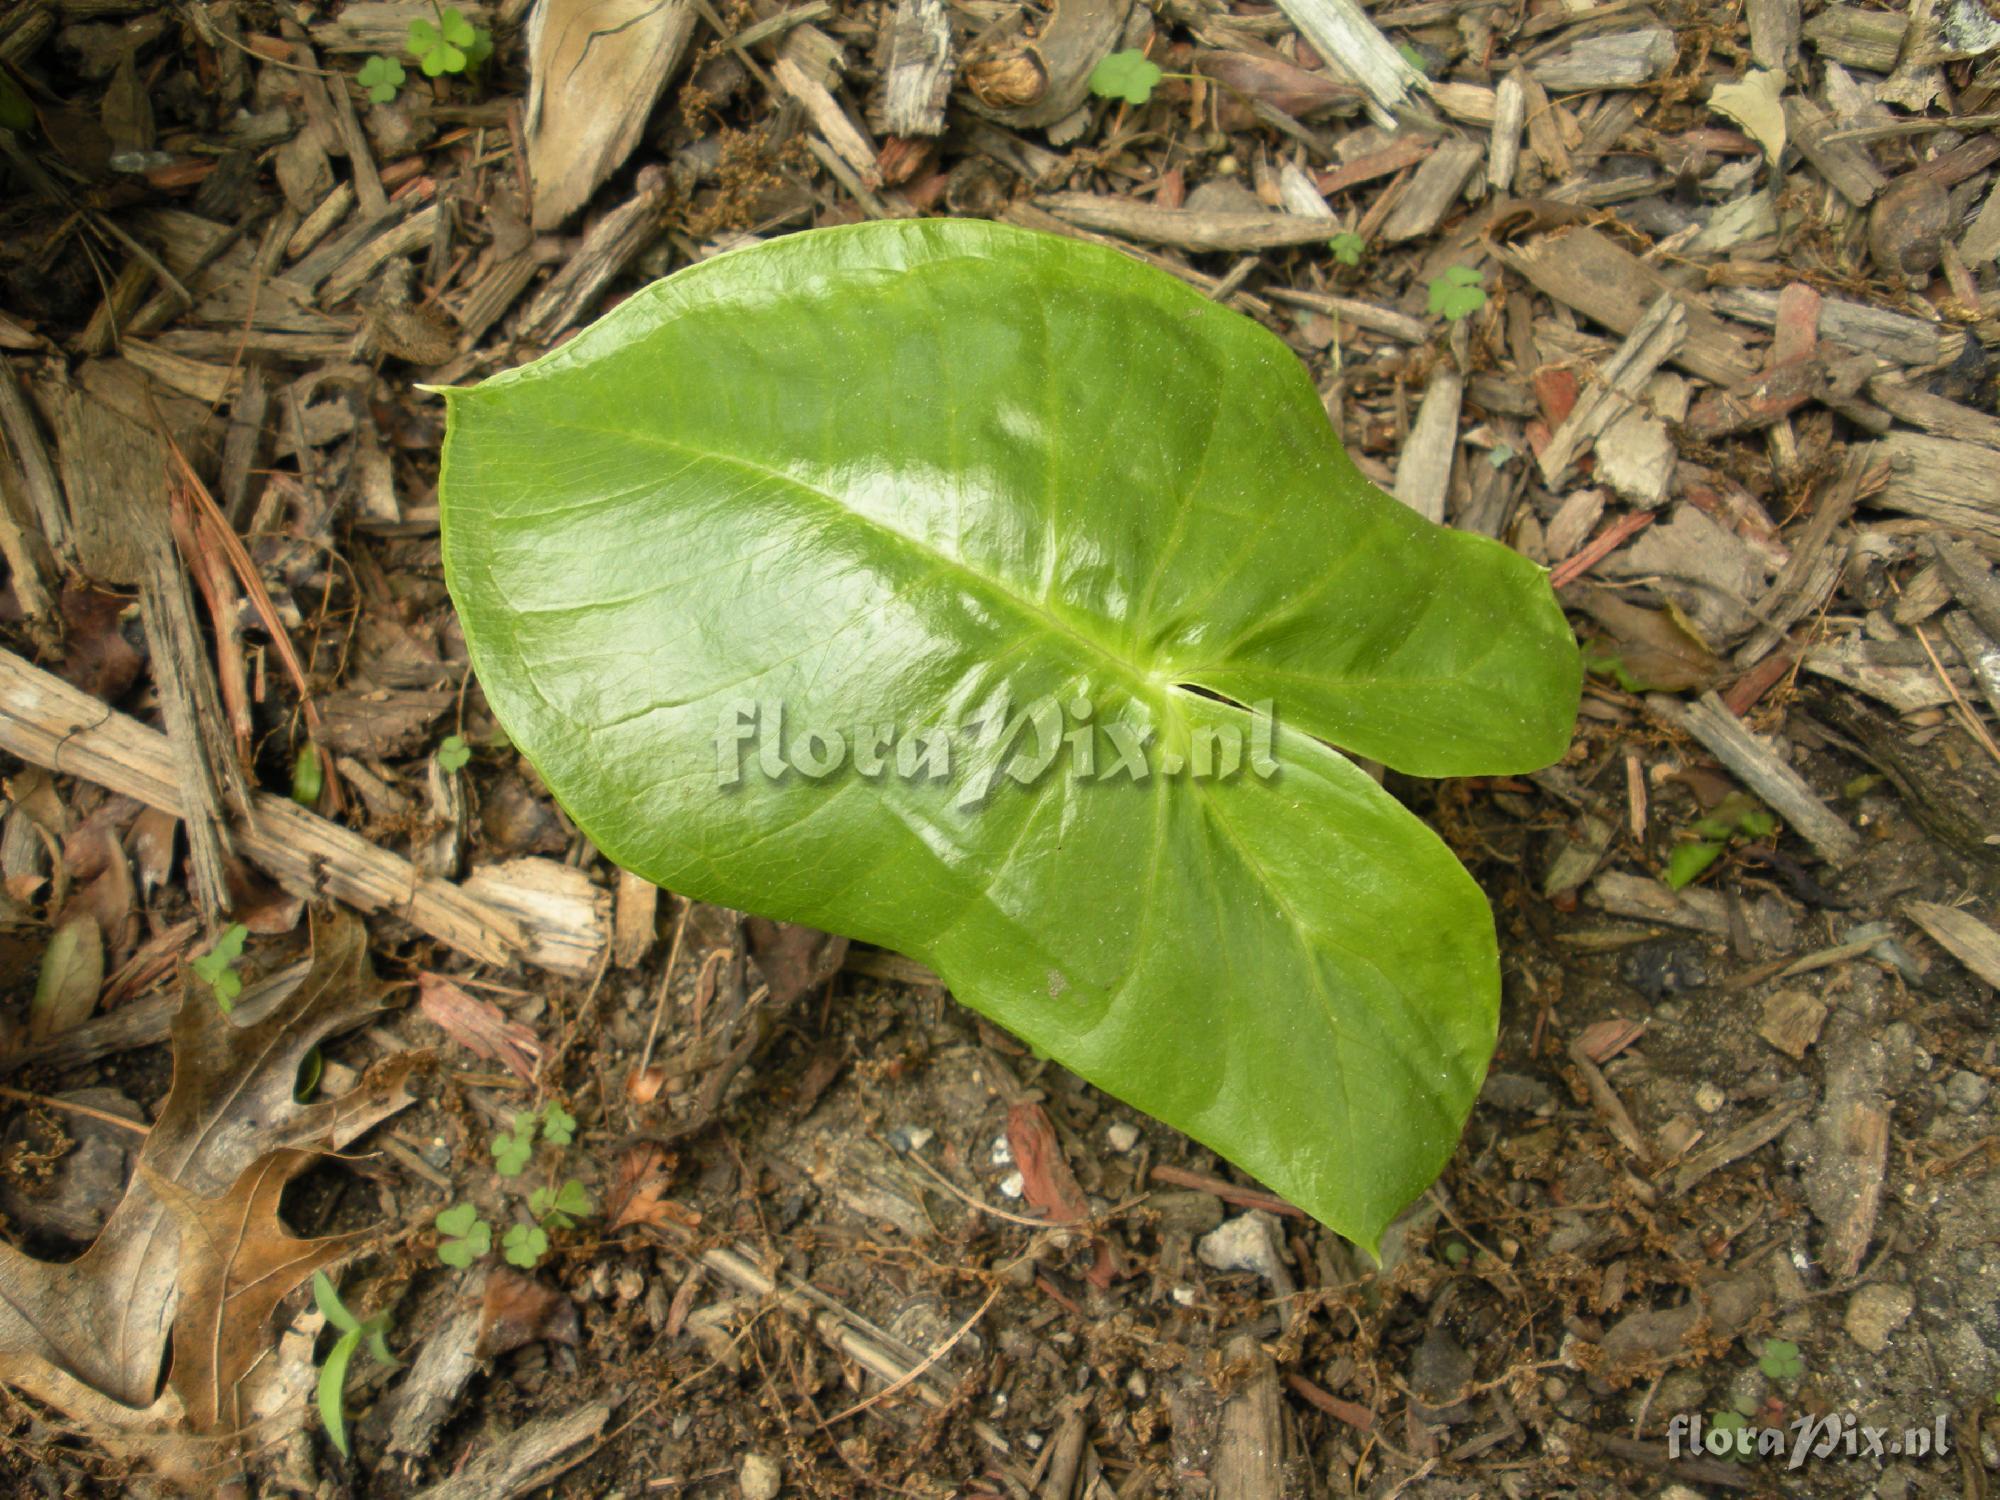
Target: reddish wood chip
[(1048, 1183), (1603, 1040), (480, 1026)]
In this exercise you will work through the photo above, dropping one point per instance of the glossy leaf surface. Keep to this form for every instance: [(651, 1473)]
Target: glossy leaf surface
[(917, 476)]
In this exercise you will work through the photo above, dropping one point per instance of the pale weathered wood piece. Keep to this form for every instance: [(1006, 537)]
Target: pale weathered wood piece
[(597, 68), (920, 68), (1423, 472), (1584, 269), (46, 721), (1190, 229), (1616, 384)]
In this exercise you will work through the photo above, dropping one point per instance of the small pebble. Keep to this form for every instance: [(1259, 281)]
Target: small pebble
[(1708, 1098), (1122, 1136), (760, 1478), (1966, 1092), (1013, 1184), (1248, 1242), (911, 1137), (1875, 1312)]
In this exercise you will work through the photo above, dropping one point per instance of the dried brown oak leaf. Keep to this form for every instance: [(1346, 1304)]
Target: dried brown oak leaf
[(88, 1336), (238, 1263)]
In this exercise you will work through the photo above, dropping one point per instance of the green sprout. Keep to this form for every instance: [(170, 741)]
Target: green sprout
[(1126, 75), (1457, 294), (453, 755), (524, 1245), (453, 45), (307, 778), (1347, 247), (1737, 815), (17, 112), (333, 1374), (467, 1236), (512, 1147), (217, 967), (381, 76)]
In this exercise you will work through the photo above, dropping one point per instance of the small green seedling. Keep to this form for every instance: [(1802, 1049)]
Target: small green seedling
[(16, 112), (560, 1208), (453, 755), (381, 77), (466, 1235), (1781, 1360), (1457, 294), (307, 779), (333, 1374), (1730, 1420), (1126, 75), (454, 45), (558, 1125), (524, 1245), (1347, 247), (512, 1147), (1737, 815), (217, 967)]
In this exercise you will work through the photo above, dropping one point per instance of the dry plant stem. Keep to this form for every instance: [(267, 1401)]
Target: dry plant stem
[(220, 532), (70, 1106), (917, 1372), (666, 986), (1966, 715)]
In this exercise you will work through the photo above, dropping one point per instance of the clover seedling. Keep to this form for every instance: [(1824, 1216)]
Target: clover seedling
[(333, 1374), (1126, 75), (1780, 1360), (466, 1235), (994, 598), (453, 45), (217, 967), (558, 1124), (524, 1245), (513, 1146), (381, 77), (453, 755), (1457, 294), (560, 1208), (1347, 247)]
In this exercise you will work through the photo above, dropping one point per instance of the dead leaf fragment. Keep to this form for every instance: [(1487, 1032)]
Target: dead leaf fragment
[(87, 1336), (72, 974), (639, 1187), (237, 1263), (1754, 103), (517, 1310)]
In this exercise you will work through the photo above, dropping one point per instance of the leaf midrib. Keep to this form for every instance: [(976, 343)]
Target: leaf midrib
[(1146, 684)]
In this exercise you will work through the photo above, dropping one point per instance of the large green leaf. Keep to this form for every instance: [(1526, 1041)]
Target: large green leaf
[(899, 474)]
